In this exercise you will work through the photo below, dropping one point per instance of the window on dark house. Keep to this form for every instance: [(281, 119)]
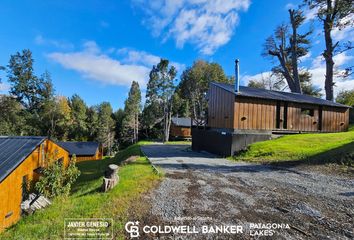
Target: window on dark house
[(308, 112)]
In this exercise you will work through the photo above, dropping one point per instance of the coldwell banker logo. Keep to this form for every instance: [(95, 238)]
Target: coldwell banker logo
[(134, 230)]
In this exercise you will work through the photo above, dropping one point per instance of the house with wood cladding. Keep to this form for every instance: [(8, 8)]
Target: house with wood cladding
[(239, 116), (181, 128), (84, 151), (21, 162)]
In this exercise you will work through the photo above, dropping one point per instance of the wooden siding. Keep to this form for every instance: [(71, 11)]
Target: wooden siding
[(221, 108), (298, 121), (335, 119), (254, 114), (97, 156), (11, 186), (228, 111), (182, 132)]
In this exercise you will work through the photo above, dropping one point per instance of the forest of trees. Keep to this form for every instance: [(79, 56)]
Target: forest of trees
[(33, 108)]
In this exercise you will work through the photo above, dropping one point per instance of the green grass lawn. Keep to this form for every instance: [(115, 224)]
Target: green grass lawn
[(324, 147), (86, 201), (182, 142)]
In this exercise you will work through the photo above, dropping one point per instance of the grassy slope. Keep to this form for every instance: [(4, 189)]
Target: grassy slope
[(86, 201), (326, 147)]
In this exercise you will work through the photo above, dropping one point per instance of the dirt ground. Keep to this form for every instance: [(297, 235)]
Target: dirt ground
[(202, 190)]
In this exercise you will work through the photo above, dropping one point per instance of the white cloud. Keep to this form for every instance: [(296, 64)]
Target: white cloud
[(310, 14), (4, 87), (40, 40), (206, 24), (290, 6), (93, 63), (347, 32), (306, 57), (318, 71), (131, 56), (104, 24)]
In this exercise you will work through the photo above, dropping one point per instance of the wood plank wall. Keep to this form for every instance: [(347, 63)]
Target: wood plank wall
[(335, 119), (11, 186), (98, 156), (254, 114), (178, 131), (301, 122), (229, 112), (259, 114), (221, 108)]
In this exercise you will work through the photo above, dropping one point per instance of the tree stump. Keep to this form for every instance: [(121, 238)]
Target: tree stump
[(110, 178)]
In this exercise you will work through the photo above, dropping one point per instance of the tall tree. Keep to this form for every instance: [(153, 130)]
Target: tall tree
[(118, 117), (195, 83), (131, 114), (159, 94), (105, 133), (11, 119), (267, 82), (346, 97), (78, 130), (24, 84), (92, 123), (334, 14), (287, 47), (56, 118)]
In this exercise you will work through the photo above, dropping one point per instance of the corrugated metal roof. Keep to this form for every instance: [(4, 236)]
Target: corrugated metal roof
[(277, 95), (182, 122), (80, 148), (14, 150)]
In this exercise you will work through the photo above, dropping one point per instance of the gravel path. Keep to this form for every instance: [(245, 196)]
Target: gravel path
[(200, 189)]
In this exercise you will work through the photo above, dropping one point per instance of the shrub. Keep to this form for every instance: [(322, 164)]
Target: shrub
[(56, 179)]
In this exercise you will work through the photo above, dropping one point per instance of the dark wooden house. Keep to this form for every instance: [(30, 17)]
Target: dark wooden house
[(260, 109), (84, 151), (238, 116)]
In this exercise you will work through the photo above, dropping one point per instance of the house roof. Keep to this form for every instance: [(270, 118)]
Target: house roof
[(277, 95), (181, 122), (14, 150), (80, 148)]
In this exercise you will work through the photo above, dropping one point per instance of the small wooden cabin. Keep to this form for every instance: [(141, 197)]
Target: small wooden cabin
[(247, 115), (84, 151), (181, 128), (274, 111), (21, 158)]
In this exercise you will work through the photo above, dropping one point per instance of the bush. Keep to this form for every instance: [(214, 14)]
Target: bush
[(57, 180)]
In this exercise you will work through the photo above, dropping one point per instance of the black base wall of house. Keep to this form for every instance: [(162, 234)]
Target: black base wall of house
[(351, 115), (224, 143)]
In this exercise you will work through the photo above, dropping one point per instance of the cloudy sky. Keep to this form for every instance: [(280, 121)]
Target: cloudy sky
[(97, 48)]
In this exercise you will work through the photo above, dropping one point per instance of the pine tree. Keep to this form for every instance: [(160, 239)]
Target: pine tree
[(78, 129), (130, 122), (159, 94), (105, 134)]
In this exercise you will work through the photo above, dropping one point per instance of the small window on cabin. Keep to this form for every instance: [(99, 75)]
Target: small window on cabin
[(307, 112), (61, 161)]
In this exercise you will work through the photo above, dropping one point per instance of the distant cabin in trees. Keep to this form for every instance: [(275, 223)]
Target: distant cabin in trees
[(21, 162), (84, 151), (181, 128)]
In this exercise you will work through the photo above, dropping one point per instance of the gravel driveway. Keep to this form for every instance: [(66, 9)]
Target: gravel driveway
[(200, 189)]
